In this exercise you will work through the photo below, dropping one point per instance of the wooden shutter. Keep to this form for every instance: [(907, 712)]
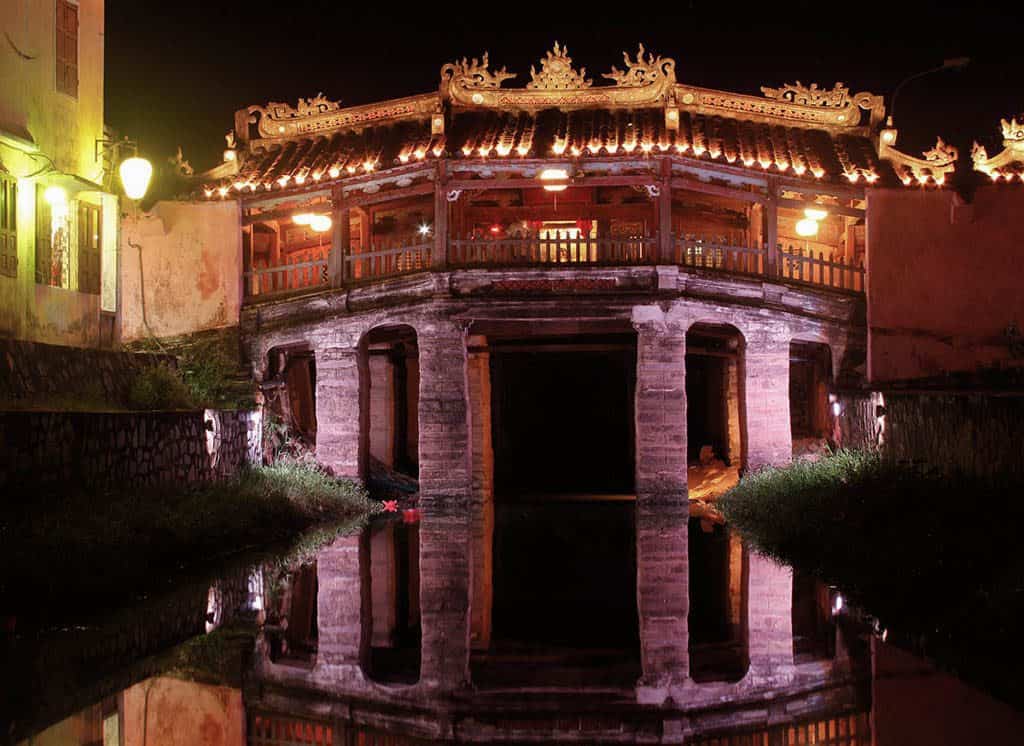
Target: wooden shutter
[(89, 243), (67, 48), (8, 226)]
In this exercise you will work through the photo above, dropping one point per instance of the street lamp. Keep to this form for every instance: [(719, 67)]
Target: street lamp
[(135, 176), (953, 63)]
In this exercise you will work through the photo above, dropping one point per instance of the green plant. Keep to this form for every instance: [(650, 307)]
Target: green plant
[(159, 386)]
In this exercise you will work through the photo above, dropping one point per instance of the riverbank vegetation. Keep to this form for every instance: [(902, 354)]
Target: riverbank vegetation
[(64, 552), (932, 555)]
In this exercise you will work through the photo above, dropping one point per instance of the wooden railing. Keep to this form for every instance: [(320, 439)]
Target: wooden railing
[(710, 252), (311, 270), (389, 261), (561, 249), (301, 271), (801, 265)]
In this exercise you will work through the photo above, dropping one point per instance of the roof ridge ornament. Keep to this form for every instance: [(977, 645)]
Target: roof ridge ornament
[(838, 98), (938, 163), (1008, 163), (646, 68), (475, 73), (556, 72), (798, 93)]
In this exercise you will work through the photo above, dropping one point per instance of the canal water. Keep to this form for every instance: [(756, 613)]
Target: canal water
[(183, 667)]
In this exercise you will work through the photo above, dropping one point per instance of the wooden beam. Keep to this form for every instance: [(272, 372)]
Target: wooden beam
[(390, 195), (577, 181), (771, 227), (850, 212), (666, 250), (696, 185)]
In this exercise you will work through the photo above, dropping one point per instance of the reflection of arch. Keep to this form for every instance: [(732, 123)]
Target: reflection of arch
[(391, 634), (814, 634)]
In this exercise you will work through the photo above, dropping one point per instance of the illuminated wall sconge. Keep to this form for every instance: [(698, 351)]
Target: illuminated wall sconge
[(55, 196), (303, 218), (555, 179), (135, 175), (807, 227)]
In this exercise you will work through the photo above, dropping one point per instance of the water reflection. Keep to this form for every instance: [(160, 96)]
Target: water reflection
[(326, 649)]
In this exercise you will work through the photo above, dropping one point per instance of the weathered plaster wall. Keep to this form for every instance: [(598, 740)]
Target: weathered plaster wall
[(944, 279), (124, 449), (172, 711), (191, 269), (64, 130)]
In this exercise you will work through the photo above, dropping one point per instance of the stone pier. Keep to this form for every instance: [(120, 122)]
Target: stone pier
[(662, 508), (445, 474), (342, 410), (769, 443)]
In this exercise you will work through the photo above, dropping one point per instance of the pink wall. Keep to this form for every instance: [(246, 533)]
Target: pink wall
[(945, 279), (192, 269), (173, 712)]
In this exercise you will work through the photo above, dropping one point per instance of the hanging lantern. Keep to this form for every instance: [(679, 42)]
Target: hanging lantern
[(135, 175), (807, 228)]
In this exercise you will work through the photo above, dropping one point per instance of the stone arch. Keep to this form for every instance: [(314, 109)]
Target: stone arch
[(811, 388), (288, 385), (389, 549), (718, 565)]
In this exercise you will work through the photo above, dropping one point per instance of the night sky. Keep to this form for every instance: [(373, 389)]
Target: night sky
[(177, 71)]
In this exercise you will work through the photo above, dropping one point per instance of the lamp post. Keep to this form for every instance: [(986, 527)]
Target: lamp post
[(953, 63)]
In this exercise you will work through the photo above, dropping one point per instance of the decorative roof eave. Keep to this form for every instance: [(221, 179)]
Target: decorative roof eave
[(792, 104), (276, 121), (1008, 164), (937, 165), (650, 81)]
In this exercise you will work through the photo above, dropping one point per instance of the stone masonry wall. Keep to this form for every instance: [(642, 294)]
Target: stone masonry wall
[(102, 450), (31, 371)]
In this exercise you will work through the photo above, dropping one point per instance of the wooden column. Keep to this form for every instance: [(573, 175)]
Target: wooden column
[(666, 250), (341, 240), (771, 228), (439, 259), (769, 443), (445, 474), (662, 510)]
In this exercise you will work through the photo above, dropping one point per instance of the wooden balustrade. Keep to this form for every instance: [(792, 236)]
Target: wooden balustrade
[(559, 249), (800, 265), (309, 270), (380, 262), (303, 270), (712, 252)]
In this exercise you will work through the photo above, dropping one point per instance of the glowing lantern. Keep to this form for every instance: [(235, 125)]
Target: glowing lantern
[(816, 213), (320, 223), (424, 229), (55, 196), (303, 218), (135, 175), (554, 175), (807, 227)]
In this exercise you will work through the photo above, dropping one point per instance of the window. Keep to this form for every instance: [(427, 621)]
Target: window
[(89, 248), (8, 226), (67, 48)]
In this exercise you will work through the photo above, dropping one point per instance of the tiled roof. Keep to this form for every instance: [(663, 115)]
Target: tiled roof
[(790, 151)]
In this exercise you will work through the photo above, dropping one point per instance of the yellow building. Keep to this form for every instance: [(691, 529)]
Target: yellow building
[(58, 215)]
